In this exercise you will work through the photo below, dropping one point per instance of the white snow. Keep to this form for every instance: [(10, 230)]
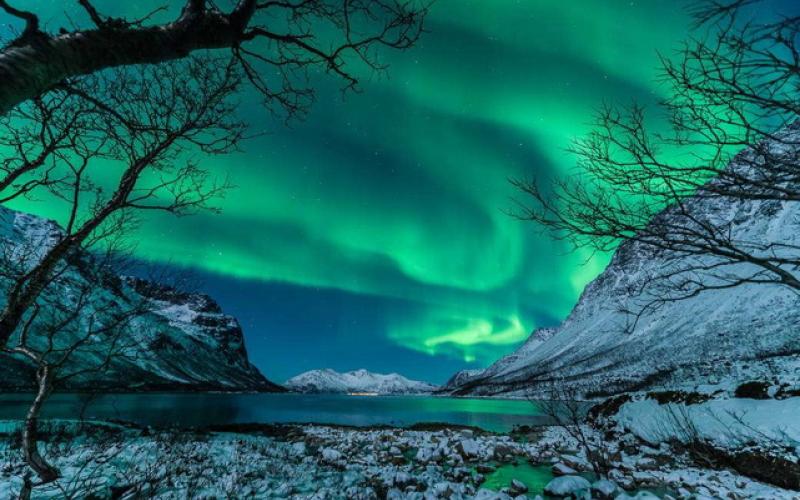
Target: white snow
[(327, 462), (726, 422), (749, 332), (183, 338), (564, 486)]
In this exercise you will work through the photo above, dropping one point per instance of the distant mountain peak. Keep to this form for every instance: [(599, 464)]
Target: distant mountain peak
[(356, 381)]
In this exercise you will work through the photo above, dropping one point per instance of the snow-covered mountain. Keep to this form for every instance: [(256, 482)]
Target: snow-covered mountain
[(330, 381), (183, 341), (460, 378), (722, 336)]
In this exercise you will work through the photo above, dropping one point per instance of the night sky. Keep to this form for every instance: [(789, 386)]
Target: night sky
[(374, 234)]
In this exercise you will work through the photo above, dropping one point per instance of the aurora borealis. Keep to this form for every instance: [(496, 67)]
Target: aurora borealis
[(374, 233)]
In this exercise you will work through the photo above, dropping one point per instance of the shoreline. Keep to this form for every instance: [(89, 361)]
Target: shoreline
[(256, 392), (294, 461)]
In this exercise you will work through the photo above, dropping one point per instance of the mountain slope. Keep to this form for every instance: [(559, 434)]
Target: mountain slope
[(329, 381), (722, 336), (460, 378), (183, 342)]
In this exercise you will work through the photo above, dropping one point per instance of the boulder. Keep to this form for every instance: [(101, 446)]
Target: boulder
[(330, 455), (642, 495), (468, 448), (517, 487), (561, 469), (484, 494), (604, 489), (567, 486)]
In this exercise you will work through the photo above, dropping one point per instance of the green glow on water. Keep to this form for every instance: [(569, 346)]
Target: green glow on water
[(535, 477)]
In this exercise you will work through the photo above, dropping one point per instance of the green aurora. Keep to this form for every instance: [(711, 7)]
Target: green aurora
[(401, 192)]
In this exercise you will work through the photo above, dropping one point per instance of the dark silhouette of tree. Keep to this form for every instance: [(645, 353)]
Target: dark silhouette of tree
[(678, 191), (275, 44), (146, 99), (70, 318), (139, 126), (149, 121)]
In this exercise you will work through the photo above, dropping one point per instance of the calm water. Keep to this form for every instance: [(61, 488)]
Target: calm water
[(207, 409)]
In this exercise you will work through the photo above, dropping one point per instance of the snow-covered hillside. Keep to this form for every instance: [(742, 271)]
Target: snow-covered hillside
[(330, 381), (460, 378), (716, 337), (184, 342)]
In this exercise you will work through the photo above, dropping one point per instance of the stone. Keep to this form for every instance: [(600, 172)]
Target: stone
[(562, 469), (484, 494), (331, 455), (468, 448), (604, 489), (502, 450), (518, 487), (566, 486)]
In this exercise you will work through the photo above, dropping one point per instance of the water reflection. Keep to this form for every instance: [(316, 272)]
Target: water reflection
[(206, 409)]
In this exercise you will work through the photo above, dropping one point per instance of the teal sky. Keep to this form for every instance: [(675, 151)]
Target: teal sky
[(373, 234)]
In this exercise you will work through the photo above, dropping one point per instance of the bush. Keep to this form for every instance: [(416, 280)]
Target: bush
[(753, 390)]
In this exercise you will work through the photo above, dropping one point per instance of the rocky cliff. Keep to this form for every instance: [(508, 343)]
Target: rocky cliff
[(174, 341)]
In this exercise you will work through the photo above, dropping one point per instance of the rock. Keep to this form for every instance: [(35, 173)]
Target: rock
[(642, 495), (565, 486), (503, 450), (484, 469), (442, 489), (467, 433), (394, 494), (459, 474), (331, 455), (284, 490), (604, 489), (484, 494), (403, 479), (299, 449), (561, 469), (468, 448), (518, 487), (646, 463), (424, 455)]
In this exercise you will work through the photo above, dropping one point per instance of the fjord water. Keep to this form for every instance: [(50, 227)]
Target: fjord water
[(198, 410)]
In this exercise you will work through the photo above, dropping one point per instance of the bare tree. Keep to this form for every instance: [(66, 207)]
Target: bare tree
[(276, 43), (111, 93), (149, 123), (566, 411), (72, 332), (682, 190)]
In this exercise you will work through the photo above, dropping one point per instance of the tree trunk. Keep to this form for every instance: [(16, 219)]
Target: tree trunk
[(35, 63), (30, 443)]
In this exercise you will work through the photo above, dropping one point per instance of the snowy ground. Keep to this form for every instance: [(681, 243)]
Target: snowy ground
[(328, 462)]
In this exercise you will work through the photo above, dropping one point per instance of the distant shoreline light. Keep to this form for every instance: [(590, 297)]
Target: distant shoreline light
[(363, 394)]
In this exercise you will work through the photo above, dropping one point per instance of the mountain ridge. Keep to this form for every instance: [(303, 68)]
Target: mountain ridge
[(330, 381), (183, 342), (715, 338)]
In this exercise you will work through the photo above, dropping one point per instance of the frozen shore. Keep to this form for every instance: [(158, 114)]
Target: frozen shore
[(267, 461)]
